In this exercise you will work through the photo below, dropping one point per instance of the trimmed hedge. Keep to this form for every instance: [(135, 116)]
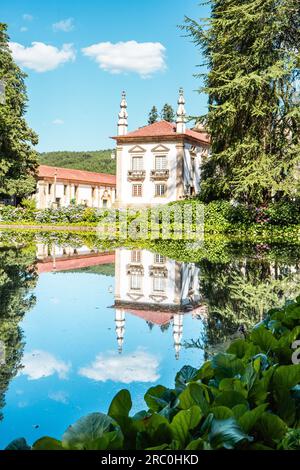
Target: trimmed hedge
[(224, 215), (72, 215), (220, 216)]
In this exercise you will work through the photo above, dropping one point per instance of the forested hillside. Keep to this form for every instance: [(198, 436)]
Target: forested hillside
[(98, 160)]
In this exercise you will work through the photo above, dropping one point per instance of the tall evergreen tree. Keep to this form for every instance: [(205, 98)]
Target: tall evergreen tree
[(153, 115), (167, 113), (252, 53), (18, 160)]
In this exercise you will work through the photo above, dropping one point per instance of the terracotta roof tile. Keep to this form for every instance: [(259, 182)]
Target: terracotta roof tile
[(74, 263), (46, 171), (165, 129), (158, 128), (156, 317), (203, 136)]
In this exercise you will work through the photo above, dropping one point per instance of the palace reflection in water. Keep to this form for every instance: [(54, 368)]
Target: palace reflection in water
[(80, 323), (162, 291), (157, 289), (148, 285)]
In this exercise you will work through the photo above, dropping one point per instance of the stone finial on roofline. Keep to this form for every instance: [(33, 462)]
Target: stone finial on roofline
[(181, 114), (123, 115)]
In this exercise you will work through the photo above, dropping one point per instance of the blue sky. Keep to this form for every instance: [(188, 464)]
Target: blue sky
[(81, 62)]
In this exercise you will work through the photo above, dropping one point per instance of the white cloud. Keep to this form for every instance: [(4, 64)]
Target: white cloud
[(22, 404), (144, 58), (60, 396), (23, 29), (42, 57), (139, 366), (55, 300), (38, 364), (27, 17), (64, 25), (57, 122)]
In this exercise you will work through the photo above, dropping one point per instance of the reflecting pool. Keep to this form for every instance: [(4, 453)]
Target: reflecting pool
[(78, 322)]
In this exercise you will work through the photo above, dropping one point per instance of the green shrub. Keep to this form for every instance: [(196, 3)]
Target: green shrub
[(223, 216), (219, 216), (89, 215), (247, 398), (14, 214), (284, 213), (72, 214), (216, 216), (29, 204), (241, 214)]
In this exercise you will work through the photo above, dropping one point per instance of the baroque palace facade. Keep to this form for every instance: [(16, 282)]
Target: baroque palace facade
[(156, 164)]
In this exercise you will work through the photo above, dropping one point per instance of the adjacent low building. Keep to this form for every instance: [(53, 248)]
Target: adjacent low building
[(60, 187)]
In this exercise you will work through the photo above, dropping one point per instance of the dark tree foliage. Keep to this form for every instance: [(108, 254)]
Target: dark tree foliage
[(17, 278), (242, 292), (251, 49), (99, 160), (167, 113), (18, 160), (153, 115)]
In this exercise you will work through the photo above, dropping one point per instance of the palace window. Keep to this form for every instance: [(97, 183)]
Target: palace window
[(160, 162), (104, 202), (136, 190), (137, 163), (159, 284), (159, 259), (65, 189), (50, 188), (135, 282), (160, 190), (136, 256), (193, 163)]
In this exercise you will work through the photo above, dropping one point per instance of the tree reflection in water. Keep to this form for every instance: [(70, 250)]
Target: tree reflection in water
[(238, 284), (17, 279), (240, 293)]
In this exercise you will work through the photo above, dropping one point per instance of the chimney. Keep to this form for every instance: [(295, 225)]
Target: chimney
[(120, 328), (181, 114), (123, 115)]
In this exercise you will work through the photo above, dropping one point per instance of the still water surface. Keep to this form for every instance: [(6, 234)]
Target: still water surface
[(91, 324)]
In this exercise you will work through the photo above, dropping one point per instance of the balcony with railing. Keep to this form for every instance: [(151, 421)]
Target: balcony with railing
[(135, 268), (158, 271), (136, 175), (159, 175)]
